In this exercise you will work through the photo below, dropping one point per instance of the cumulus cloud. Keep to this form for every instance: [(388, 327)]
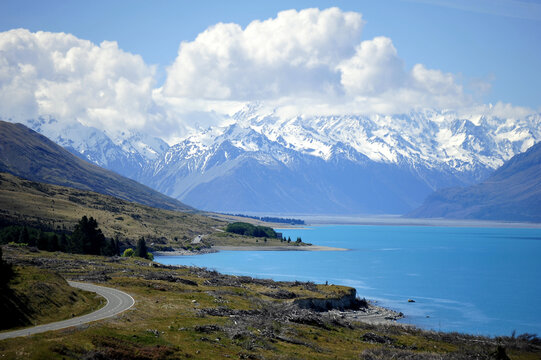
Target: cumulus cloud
[(60, 75), (374, 69), (292, 54), (309, 54)]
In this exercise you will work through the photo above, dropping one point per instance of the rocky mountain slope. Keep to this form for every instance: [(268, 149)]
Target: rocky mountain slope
[(513, 193), (32, 156)]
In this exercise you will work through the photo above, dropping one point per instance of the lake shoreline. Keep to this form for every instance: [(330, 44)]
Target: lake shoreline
[(215, 249)]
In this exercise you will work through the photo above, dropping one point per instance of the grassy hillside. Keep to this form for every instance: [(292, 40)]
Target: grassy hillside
[(58, 208), (37, 296), (27, 154), (186, 312)]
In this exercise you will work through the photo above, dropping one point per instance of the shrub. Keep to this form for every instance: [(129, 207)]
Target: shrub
[(128, 252)]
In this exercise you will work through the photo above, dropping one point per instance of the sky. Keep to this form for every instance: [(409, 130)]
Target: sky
[(106, 61)]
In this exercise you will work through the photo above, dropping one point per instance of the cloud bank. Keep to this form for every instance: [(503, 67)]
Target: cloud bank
[(315, 54), (60, 75), (308, 61)]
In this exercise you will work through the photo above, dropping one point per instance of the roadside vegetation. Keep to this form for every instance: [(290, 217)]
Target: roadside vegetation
[(188, 312)]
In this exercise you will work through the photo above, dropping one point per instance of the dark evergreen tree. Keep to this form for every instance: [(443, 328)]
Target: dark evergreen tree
[(116, 243), (87, 237), (141, 249), (53, 243), (24, 237), (43, 241), (109, 248), (63, 243), (6, 271)]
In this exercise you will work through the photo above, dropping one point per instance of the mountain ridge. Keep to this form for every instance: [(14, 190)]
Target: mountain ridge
[(511, 193), (30, 155)]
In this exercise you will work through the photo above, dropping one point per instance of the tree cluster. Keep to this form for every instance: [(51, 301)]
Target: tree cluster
[(291, 221), (87, 238), (242, 228)]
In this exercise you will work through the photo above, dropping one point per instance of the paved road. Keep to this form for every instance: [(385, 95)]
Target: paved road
[(117, 302)]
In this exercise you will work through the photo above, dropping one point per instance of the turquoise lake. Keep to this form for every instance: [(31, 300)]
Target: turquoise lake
[(476, 280)]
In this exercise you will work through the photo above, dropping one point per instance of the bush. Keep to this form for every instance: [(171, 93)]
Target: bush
[(128, 252)]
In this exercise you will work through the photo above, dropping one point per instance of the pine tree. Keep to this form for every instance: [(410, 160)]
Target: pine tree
[(24, 237), (42, 242), (52, 244), (63, 243), (116, 243), (6, 271), (141, 249)]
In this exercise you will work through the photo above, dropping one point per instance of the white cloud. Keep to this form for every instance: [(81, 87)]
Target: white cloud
[(58, 74), (306, 56), (292, 54), (375, 68), (306, 62)]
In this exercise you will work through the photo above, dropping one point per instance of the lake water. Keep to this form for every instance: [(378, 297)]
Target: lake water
[(475, 280)]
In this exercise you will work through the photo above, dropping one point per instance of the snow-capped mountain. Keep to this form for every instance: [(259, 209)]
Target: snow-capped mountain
[(336, 164), (126, 153), (269, 162)]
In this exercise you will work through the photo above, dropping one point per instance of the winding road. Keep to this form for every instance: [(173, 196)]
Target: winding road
[(117, 302)]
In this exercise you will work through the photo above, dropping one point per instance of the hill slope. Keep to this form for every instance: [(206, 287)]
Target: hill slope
[(54, 207), (38, 296), (25, 153), (59, 208), (512, 193)]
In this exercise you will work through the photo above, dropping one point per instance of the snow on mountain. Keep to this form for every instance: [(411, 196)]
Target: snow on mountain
[(126, 153), (266, 161), (401, 158), (432, 138)]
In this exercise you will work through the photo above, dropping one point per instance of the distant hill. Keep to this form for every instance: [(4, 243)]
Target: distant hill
[(27, 154), (511, 193)]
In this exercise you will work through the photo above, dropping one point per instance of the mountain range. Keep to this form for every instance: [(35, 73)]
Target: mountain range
[(27, 154), (263, 161)]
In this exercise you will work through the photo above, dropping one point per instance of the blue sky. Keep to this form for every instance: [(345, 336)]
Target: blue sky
[(494, 42)]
